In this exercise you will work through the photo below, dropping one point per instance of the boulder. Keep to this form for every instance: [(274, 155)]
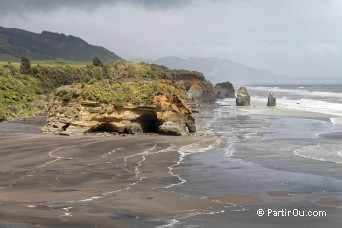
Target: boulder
[(191, 126), (171, 128), (3, 118), (271, 100), (243, 98)]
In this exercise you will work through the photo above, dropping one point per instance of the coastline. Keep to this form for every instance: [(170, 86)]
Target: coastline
[(165, 181)]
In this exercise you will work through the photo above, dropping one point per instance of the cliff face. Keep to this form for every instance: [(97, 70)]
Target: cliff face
[(135, 98), (130, 107), (199, 91)]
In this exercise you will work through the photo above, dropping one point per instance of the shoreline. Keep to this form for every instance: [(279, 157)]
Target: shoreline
[(150, 181)]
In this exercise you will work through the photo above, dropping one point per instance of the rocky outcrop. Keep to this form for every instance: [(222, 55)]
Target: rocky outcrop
[(2, 118), (243, 98), (163, 113), (2, 114), (199, 91), (224, 90), (271, 100)]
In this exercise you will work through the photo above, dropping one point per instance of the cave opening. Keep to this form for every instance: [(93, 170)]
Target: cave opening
[(148, 122), (104, 127), (65, 126)]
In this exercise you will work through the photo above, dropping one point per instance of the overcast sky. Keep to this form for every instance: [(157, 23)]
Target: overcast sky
[(291, 37)]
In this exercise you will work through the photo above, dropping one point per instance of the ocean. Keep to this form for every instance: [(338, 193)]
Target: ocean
[(290, 156)]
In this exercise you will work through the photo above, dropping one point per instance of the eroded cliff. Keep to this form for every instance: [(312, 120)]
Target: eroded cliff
[(120, 107)]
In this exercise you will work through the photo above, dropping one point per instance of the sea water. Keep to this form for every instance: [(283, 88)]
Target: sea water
[(295, 146)]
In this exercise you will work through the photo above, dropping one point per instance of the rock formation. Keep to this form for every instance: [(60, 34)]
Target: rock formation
[(2, 118), (127, 108), (271, 100), (243, 98), (224, 90), (2, 114), (199, 91)]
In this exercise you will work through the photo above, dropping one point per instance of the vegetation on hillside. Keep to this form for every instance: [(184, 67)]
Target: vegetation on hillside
[(116, 93), (15, 43), (21, 95), (225, 85), (28, 94)]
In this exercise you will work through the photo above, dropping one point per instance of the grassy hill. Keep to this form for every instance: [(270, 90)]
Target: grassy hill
[(15, 43)]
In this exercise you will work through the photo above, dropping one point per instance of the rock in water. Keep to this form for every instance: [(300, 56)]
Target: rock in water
[(271, 100), (224, 90), (243, 98)]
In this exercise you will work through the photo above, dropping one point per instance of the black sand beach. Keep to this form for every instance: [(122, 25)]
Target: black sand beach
[(160, 181)]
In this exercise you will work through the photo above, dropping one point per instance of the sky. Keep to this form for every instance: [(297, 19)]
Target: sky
[(297, 38)]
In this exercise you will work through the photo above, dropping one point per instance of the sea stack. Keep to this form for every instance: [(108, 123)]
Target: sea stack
[(242, 97), (224, 90), (271, 100)]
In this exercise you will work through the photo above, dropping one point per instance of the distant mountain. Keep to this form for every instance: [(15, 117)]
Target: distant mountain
[(221, 70), (15, 43)]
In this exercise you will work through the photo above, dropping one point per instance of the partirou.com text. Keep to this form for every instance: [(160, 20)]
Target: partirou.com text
[(290, 213)]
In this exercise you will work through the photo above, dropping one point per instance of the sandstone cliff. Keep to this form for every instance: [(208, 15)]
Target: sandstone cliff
[(121, 107), (200, 92)]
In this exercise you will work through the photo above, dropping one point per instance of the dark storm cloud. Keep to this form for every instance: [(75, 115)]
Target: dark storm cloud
[(28, 6)]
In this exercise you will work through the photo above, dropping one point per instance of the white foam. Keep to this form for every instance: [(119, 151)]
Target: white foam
[(303, 104), (170, 223), (188, 150), (312, 106), (229, 150), (321, 152), (336, 121), (111, 152), (300, 92), (66, 212), (138, 177)]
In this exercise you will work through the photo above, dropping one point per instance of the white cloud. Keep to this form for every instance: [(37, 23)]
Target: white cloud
[(319, 48)]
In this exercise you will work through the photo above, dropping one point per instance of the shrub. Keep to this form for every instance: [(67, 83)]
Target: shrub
[(97, 62), (25, 65)]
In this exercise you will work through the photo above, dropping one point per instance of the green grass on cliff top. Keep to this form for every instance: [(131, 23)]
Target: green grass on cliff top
[(27, 95), (116, 93)]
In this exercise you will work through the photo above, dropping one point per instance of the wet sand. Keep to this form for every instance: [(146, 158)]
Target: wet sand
[(94, 181), (137, 181)]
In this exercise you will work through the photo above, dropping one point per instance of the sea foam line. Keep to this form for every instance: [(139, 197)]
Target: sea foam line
[(313, 152), (185, 151), (51, 155), (137, 172), (301, 92)]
